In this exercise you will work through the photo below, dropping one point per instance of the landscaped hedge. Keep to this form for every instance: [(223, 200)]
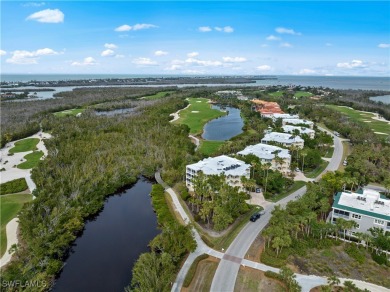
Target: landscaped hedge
[(191, 272), (13, 186), (164, 215)]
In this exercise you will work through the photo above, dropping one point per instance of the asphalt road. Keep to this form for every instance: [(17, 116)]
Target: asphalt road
[(226, 274)]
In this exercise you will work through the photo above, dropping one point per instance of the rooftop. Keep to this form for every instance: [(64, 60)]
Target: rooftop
[(282, 138), (265, 151), (367, 202), (267, 107), (298, 121), (285, 116), (302, 130), (221, 164)]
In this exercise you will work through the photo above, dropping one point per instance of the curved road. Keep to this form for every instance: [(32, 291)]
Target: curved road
[(226, 274)]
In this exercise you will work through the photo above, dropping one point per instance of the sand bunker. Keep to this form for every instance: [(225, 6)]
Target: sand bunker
[(380, 133), (195, 112)]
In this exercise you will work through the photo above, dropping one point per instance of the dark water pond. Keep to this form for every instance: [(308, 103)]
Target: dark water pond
[(225, 127), (104, 255)]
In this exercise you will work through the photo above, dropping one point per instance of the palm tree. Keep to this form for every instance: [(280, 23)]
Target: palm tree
[(333, 280), (279, 160), (267, 166), (303, 154)]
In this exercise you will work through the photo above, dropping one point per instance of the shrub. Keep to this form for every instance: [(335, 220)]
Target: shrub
[(207, 241), (354, 252), (380, 259), (191, 272), (268, 259), (13, 186)]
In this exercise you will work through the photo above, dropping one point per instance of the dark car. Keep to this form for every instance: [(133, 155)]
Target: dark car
[(254, 217)]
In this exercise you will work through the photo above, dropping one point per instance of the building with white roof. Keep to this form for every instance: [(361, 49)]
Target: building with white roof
[(232, 168), (368, 208), (301, 130), (284, 139), (284, 116), (269, 154), (306, 123)]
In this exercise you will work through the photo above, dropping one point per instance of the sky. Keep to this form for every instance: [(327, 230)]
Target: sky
[(350, 38)]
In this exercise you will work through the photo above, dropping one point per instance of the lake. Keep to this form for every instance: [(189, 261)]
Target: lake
[(224, 128), (383, 98), (102, 258)]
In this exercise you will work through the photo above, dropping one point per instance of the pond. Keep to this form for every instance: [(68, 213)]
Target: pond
[(384, 98), (224, 128), (102, 258)]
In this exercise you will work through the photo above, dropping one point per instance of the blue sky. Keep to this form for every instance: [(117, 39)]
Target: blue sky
[(258, 37)]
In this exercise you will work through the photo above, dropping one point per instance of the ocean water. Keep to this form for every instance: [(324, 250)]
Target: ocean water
[(336, 82), (383, 98)]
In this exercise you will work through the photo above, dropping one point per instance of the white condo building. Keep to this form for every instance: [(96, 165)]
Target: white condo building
[(268, 154), (307, 123), (232, 168), (284, 139), (284, 116), (301, 130)]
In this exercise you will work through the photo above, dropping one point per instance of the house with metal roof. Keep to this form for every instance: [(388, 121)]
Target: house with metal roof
[(268, 154), (368, 208), (301, 130), (298, 122), (232, 168), (283, 139)]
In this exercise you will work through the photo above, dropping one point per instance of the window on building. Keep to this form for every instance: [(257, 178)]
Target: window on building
[(379, 222), (341, 213), (356, 216), (357, 226)]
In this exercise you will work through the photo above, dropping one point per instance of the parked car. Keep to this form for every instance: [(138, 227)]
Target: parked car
[(255, 216), (297, 169)]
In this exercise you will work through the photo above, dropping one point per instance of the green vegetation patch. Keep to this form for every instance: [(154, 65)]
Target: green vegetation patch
[(158, 95), (303, 94), (32, 160), (210, 147), (296, 186), (70, 112), (318, 170), (198, 114), (25, 145), (10, 206), (191, 272), (366, 118), (276, 93), (13, 186)]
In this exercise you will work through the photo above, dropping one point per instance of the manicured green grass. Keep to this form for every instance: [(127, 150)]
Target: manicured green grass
[(317, 171), (157, 95), (209, 147), (32, 160), (10, 206), (25, 145), (296, 186), (13, 186), (198, 114), (71, 112), (375, 125), (276, 93), (329, 153), (303, 94)]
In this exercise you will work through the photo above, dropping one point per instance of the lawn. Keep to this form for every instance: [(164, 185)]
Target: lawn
[(70, 112), (32, 160), (198, 114), (249, 279), (209, 147), (367, 118), (276, 93), (25, 145), (10, 205), (157, 95), (204, 275), (317, 171), (296, 186), (303, 94)]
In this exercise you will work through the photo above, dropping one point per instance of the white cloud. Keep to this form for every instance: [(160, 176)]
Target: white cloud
[(384, 46), (352, 65), (191, 71), (144, 62), (192, 54), (205, 63), (89, 61), (283, 30), (118, 56), (29, 57), (227, 29), (264, 68), (137, 26), (34, 4), (286, 45), (273, 38), (234, 59), (107, 53), (2, 53), (204, 29), (47, 16), (160, 53), (306, 71), (110, 46), (173, 67)]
